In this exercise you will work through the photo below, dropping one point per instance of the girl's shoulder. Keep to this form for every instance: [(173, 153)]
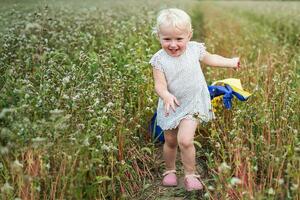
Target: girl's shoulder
[(155, 60), (157, 57), (198, 49), (158, 54), (195, 44)]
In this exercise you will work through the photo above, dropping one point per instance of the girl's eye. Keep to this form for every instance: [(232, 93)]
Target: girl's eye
[(179, 39), (167, 39)]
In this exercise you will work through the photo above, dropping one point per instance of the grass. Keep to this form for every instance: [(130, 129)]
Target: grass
[(77, 96)]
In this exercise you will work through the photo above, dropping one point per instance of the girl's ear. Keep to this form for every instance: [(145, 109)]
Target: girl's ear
[(190, 35), (157, 35)]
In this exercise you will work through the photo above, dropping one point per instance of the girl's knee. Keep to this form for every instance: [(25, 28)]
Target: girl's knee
[(186, 133), (171, 144), (185, 143), (171, 139)]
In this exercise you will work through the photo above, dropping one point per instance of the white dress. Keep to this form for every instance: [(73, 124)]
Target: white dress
[(185, 80)]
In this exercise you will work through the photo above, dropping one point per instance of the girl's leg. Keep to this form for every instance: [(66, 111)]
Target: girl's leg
[(170, 148), (185, 137)]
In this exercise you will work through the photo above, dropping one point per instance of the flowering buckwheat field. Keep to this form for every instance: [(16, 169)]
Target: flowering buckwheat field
[(77, 96)]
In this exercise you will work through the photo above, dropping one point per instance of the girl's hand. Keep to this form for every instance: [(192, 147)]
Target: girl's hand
[(170, 101), (236, 63)]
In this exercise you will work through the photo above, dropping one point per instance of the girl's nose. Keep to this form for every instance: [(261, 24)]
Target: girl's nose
[(173, 43)]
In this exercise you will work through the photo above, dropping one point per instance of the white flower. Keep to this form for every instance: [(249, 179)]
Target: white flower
[(33, 26), (6, 188), (17, 165), (295, 187), (97, 101), (56, 111), (38, 139), (99, 138), (109, 104), (47, 166), (211, 188), (281, 181), (224, 167), (86, 142), (105, 147), (217, 145), (206, 195), (3, 150), (4, 111), (271, 191), (66, 80), (65, 96), (235, 181)]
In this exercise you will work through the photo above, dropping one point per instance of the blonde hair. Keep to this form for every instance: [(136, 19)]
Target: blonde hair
[(173, 17)]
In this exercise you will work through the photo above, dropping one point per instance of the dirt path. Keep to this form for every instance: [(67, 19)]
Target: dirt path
[(158, 192), (173, 193)]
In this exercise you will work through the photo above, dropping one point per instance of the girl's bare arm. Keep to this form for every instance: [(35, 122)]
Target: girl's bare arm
[(161, 88), (220, 61), (160, 83)]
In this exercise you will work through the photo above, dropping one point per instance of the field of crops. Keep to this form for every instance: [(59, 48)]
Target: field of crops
[(77, 95)]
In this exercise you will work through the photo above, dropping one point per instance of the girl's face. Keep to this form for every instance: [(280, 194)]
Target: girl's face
[(173, 41)]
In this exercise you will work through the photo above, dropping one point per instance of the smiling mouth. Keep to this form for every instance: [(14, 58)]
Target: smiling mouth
[(173, 50)]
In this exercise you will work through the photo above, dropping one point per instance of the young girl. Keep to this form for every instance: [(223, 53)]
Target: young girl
[(184, 100)]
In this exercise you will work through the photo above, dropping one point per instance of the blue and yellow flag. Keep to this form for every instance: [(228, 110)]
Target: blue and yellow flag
[(236, 86)]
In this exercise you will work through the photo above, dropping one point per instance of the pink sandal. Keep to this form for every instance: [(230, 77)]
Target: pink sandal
[(192, 182), (170, 179)]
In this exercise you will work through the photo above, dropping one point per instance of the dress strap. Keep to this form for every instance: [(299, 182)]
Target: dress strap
[(192, 176), (169, 171)]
